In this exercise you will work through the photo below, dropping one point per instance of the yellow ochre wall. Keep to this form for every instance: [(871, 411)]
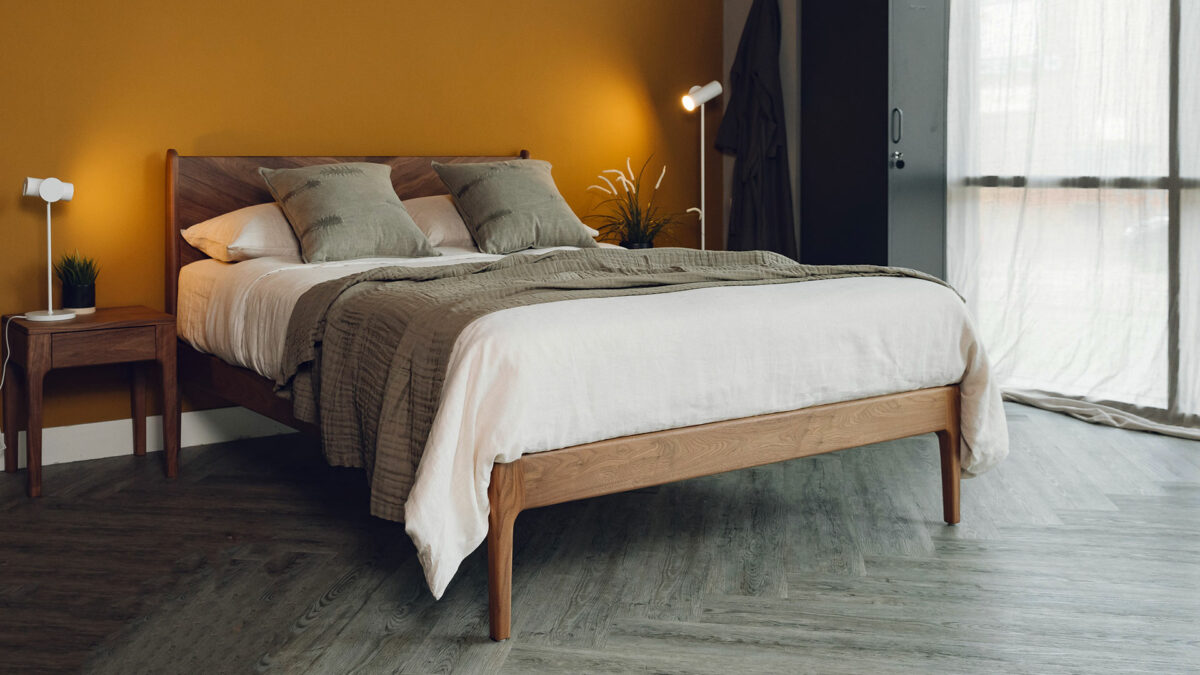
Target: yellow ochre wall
[(94, 92)]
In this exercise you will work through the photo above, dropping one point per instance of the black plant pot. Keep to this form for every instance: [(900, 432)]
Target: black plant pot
[(638, 244), (79, 297)]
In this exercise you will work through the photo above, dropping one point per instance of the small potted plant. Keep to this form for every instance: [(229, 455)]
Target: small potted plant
[(630, 222), (78, 276)]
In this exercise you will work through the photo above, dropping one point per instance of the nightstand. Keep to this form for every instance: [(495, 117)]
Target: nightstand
[(134, 335)]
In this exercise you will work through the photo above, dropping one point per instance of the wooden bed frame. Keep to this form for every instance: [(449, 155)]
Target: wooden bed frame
[(199, 188)]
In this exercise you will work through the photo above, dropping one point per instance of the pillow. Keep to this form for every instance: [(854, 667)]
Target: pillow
[(443, 225), (512, 205), (440, 221), (256, 231), (344, 211)]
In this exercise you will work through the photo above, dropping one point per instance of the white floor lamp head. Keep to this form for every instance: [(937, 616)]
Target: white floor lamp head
[(696, 97), (51, 190)]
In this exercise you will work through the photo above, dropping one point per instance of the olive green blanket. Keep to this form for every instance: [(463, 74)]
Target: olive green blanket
[(367, 354)]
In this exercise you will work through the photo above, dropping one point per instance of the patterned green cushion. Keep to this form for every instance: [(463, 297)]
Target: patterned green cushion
[(513, 205), (344, 211)]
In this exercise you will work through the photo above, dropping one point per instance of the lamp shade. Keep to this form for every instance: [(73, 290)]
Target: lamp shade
[(698, 96), (50, 189)]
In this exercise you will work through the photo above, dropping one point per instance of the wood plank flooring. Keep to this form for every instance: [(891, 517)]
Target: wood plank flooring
[(1081, 553)]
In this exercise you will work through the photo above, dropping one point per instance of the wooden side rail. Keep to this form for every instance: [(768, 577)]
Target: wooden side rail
[(632, 462)]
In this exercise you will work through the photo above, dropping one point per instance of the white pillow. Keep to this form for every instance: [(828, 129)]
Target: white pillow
[(256, 231), (443, 225), (440, 220)]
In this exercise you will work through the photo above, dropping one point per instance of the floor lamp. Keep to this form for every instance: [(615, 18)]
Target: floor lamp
[(696, 97), (51, 190)]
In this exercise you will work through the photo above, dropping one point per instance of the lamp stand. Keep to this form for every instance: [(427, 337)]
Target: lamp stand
[(49, 314), (696, 97)]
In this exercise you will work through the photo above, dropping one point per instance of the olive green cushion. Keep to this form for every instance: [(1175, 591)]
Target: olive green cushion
[(344, 211), (513, 205)]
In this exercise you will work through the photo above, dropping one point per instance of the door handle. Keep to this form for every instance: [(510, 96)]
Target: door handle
[(897, 124)]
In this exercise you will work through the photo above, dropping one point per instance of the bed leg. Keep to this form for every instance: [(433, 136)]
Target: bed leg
[(506, 497), (948, 443)]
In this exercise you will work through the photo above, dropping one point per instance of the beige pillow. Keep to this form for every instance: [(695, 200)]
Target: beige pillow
[(346, 211), (440, 221), (512, 205), (258, 231)]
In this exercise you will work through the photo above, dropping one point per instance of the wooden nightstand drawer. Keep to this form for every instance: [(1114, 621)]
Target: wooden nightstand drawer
[(117, 345)]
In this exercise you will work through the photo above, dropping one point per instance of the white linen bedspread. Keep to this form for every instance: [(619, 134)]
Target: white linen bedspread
[(549, 376)]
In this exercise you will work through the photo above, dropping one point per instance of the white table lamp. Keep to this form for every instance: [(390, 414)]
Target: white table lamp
[(696, 97), (52, 190)]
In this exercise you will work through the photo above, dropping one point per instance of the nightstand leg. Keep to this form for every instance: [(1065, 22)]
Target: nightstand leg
[(170, 397), (137, 407), (33, 431), (12, 417)]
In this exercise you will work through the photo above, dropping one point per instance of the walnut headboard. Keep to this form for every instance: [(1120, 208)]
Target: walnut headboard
[(201, 187)]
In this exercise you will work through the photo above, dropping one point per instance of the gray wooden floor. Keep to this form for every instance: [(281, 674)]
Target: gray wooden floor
[(1079, 554)]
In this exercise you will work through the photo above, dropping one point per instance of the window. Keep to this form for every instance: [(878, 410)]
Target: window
[(1073, 197)]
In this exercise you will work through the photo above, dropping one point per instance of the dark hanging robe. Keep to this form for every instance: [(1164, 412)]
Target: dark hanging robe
[(754, 131)]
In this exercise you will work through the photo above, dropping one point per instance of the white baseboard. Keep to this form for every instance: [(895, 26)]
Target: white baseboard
[(79, 442)]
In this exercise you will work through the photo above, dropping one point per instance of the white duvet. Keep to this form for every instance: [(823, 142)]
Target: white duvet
[(634, 365)]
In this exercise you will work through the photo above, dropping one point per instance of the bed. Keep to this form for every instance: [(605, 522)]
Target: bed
[(199, 188)]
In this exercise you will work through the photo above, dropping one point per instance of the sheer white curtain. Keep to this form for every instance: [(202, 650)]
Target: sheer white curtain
[(1074, 214)]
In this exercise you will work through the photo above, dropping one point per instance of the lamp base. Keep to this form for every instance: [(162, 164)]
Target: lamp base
[(49, 315)]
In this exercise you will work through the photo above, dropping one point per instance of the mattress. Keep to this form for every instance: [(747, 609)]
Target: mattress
[(239, 311), (639, 364)]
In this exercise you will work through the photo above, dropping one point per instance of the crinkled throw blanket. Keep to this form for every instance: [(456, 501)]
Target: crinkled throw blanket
[(367, 354)]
